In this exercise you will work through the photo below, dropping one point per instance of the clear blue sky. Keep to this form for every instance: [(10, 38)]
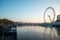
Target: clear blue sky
[(26, 10)]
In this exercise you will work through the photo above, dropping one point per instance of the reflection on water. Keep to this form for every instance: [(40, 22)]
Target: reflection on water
[(36, 33)]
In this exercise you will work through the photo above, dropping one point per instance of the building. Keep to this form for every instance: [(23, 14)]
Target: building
[(57, 24), (58, 20), (58, 17)]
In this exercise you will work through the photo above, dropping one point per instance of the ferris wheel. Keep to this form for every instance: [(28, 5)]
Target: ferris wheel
[(49, 17)]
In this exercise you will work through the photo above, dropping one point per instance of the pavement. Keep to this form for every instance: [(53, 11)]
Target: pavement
[(9, 34), (10, 37)]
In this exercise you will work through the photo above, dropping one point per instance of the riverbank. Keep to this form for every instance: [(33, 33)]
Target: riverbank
[(11, 36), (8, 36)]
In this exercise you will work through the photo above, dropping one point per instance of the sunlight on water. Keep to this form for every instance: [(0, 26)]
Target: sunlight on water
[(35, 33)]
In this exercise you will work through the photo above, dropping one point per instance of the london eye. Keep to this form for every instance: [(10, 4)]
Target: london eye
[(49, 17)]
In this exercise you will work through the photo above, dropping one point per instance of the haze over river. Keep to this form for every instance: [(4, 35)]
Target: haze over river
[(36, 33)]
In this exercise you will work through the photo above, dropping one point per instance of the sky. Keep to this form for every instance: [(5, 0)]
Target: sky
[(27, 10)]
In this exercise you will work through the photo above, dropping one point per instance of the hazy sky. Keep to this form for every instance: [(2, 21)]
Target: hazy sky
[(27, 10)]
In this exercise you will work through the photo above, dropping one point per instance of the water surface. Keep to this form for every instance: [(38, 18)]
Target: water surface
[(36, 33)]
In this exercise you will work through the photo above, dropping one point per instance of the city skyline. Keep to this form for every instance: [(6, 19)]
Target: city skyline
[(27, 10)]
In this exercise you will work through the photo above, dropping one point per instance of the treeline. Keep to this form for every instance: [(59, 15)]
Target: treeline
[(6, 21), (6, 24)]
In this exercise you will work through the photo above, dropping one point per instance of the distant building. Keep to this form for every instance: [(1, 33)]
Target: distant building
[(58, 20), (58, 17), (57, 24)]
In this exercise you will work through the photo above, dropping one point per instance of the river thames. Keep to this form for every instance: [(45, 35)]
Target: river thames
[(36, 33)]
